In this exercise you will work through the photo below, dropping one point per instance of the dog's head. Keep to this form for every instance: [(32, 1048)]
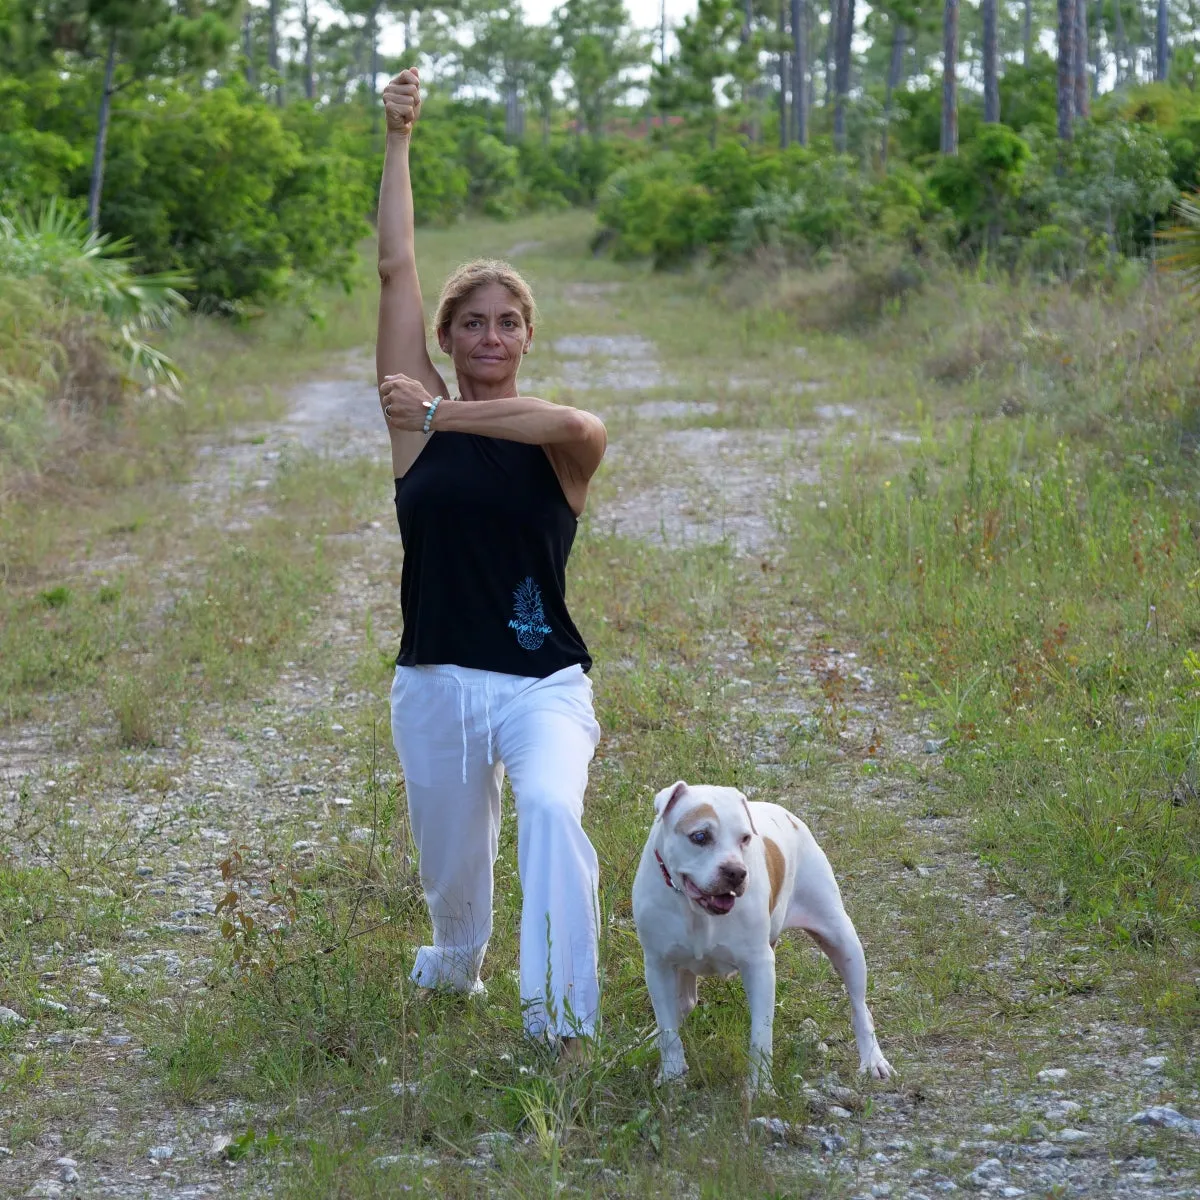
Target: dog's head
[(705, 833)]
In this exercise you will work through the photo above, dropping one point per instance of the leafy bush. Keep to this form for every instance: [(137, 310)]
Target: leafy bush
[(218, 186)]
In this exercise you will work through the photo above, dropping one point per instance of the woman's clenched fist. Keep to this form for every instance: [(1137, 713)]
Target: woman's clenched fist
[(402, 101)]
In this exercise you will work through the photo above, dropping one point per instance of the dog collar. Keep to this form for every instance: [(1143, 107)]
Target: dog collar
[(662, 866)]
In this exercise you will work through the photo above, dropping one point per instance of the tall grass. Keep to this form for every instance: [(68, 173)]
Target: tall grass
[(1034, 580)]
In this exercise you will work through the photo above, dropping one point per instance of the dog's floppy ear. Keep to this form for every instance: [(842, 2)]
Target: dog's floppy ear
[(748, 816), (665, 800)]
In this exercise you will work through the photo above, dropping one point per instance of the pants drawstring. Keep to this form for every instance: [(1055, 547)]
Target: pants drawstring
[(462, 714)]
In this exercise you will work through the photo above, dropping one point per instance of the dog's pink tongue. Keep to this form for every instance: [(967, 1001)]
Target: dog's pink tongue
[(720, 904)]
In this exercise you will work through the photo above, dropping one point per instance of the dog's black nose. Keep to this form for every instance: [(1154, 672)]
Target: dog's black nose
[(734, 876)]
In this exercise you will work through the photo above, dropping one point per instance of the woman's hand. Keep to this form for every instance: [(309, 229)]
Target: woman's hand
[(402, 102), (405, 403)]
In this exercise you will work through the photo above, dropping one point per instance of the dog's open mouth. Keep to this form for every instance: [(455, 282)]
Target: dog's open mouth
[(718, 903)]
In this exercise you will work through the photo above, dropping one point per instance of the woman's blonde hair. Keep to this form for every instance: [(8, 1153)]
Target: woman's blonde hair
[(478, 274)]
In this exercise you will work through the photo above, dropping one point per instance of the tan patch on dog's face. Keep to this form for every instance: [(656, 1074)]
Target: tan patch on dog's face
[(776, 868), (696, 816)]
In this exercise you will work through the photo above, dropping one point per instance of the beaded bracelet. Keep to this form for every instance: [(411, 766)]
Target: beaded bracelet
[(432, 408)]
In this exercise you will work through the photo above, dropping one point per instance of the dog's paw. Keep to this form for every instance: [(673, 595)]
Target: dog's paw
[(670, 1073), (876, 1066)]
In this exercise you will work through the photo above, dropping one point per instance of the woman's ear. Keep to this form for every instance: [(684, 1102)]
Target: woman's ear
[(443, 337), (528, 339)]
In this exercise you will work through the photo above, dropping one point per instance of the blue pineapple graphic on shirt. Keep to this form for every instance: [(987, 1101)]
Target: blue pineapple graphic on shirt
[(529, 618)]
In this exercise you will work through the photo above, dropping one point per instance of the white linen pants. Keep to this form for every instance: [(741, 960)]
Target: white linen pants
[(457, 731)]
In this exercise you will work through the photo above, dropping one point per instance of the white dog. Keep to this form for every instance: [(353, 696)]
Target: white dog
[(720, 879)]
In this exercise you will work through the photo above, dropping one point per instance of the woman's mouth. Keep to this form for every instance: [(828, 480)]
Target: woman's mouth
[(717, 903)]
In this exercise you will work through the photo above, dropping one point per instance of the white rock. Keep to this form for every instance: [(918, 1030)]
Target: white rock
[(8, 1017), (410, 1160), (1012, 1192), (1155, 1062), (984, 1175), (773, 1127), (160, 1153), (1061, 1109), (1072, 1135), (220, 1143), (1052, 1074), (1166, 1117), (343, 801), (45, 1188), (403, 1089), (302, 845), (842, 1114), (1046, 1151), (491, 1142), (52, 1005)]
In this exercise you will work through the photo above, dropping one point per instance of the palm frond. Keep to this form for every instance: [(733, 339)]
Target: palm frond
[(96, 273), (1184, 237)]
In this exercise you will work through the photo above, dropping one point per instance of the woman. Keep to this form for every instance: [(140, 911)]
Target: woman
[(491, 674)]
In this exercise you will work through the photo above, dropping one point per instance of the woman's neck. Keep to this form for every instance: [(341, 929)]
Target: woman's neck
[(472, 389)]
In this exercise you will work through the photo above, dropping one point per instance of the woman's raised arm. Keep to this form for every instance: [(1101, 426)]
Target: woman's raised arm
[(401, 346)]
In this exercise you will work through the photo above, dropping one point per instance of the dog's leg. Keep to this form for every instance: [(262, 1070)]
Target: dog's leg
[(758, 978), (687, 993), (816, 907), (839, 940), (663, 983)]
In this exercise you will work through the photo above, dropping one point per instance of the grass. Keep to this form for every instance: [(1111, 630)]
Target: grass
[(1017, 576)]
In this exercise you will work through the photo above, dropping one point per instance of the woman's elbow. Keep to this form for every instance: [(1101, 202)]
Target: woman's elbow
[(585, 428), (395, 267)]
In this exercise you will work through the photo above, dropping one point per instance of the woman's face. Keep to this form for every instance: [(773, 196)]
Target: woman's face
[(488, 336)]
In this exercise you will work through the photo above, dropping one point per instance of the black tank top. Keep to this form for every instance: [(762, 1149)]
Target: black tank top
[(486, 532)]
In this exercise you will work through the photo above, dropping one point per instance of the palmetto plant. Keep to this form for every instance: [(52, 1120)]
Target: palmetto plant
[(95, 274), (1185, 240)]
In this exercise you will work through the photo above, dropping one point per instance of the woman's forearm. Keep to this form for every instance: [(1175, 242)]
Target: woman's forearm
[(518, 419), (397, 241)]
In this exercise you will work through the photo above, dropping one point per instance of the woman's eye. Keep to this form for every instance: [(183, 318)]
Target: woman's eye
[(700, 837)]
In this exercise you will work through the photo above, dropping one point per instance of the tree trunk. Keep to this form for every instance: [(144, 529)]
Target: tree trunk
[(310, 29), (894, 76), (1161, 50), (373, 64), (1080, 59), (991, 79), (750, 92), (845, 32), (1096, 56), (1028, 33), (273, 46), (248, 48), (1120, 49), (784, 108), (1066, 68), (950, 78), (97, 180), (830, 38), (800, 69)]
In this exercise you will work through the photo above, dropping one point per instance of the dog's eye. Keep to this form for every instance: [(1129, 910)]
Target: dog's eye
[(745, 839), (699, 837)]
